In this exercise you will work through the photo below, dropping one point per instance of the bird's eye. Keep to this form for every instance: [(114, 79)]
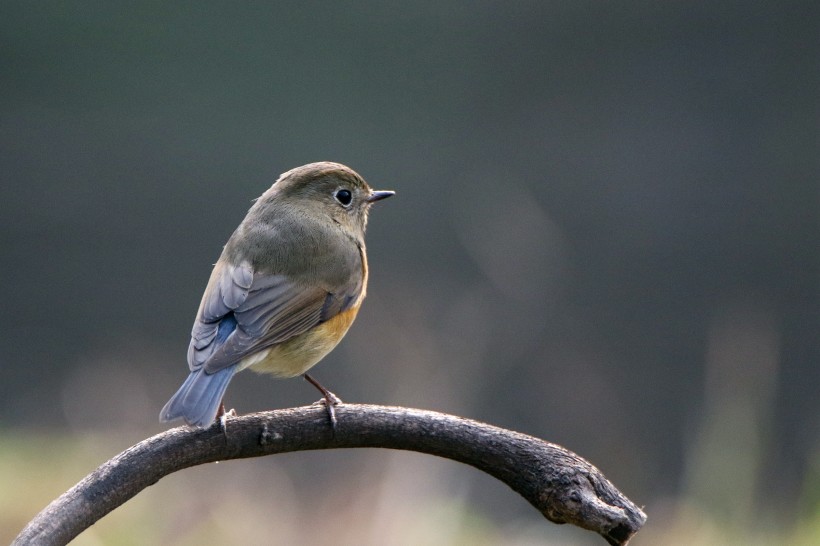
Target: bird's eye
[(344, 197)]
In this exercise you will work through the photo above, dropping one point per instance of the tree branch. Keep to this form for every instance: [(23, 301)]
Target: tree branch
[(558, 483)]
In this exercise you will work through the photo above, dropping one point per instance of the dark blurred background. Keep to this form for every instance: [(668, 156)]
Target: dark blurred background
[(606, 234)]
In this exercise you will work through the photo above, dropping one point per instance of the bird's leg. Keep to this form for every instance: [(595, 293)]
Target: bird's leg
[(330, 400), (222, 416)]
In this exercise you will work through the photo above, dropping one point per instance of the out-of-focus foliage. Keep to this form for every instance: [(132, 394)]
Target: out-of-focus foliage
[(377, 497)]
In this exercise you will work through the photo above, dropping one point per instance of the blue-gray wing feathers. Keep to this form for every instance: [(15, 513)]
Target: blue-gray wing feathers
[(241, 313)]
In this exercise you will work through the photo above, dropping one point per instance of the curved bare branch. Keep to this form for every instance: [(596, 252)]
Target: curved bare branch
[(561, 485)]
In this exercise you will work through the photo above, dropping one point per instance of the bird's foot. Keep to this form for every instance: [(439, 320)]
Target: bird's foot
[(222, 417), (329, 400)]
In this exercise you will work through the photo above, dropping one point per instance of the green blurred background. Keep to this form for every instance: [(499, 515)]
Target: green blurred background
[(606, 234)]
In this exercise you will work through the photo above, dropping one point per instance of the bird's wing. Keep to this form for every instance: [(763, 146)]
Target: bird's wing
[(243, 312)]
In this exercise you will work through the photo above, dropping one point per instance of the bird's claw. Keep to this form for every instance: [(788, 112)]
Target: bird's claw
[(330, 400), (222, 417)]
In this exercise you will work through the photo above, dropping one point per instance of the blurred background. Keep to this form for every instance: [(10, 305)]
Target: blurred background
[(606, 235)]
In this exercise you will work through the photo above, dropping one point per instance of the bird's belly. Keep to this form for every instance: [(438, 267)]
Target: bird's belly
[(300, 353)]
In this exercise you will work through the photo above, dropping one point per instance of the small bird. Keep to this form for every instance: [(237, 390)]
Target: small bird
[(285, 290)]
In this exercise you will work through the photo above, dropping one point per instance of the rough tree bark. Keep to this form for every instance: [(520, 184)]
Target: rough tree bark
[(561, 485)]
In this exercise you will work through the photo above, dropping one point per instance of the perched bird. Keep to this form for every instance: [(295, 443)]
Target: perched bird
[(285, 290)]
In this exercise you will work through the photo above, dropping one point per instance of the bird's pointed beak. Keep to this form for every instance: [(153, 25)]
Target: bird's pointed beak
[(379, 195)]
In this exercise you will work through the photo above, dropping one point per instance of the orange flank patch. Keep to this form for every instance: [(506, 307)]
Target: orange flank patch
[(299, 354)]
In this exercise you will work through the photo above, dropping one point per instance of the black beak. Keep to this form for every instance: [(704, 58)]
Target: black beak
[(379, 195)]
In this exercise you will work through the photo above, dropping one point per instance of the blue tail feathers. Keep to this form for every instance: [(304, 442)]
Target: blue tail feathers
[(198, 399)]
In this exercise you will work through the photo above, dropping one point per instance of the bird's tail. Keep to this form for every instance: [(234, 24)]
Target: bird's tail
[(198, 399)]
